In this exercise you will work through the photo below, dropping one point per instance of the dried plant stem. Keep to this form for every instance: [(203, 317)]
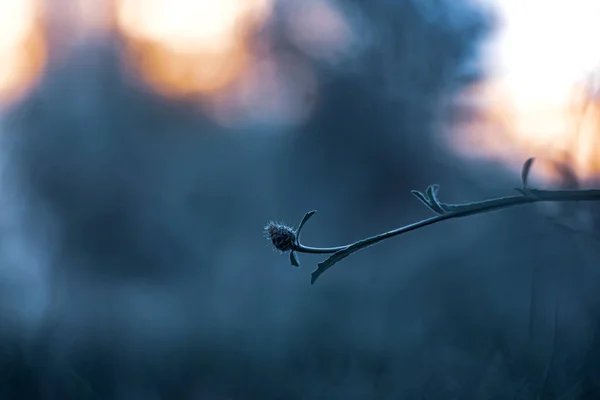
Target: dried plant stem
[(444, 212), (458, 211), (465, 210)]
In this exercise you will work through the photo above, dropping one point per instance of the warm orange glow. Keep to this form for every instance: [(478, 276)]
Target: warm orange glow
[(22, 47), (538, 101), (183, 47), (586, 138)]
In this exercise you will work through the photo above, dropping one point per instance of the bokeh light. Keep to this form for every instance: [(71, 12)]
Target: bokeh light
[(539, 97), (22, 46), (320, 29), (187, 47)]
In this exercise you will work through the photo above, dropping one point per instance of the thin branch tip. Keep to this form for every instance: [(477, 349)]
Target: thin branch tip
[(443, 211)]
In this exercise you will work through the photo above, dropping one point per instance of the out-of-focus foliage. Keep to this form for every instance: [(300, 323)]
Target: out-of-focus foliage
[(133, 265)]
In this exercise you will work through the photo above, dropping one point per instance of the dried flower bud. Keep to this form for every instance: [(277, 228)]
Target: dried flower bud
[(282, 236)]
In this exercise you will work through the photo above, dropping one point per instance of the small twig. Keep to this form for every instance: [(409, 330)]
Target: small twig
[(287, 239)]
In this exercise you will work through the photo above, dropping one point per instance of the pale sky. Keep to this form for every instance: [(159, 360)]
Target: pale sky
[(543, 49), (547, 45)]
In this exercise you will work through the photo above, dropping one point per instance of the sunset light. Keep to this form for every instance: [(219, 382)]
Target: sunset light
[(541, 95), (183, 47), (22, 47)]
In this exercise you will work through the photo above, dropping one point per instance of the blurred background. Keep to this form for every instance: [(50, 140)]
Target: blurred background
[(145, 144)]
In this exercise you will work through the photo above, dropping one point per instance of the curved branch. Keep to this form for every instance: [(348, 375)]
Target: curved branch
[(444, 212), (458, 211)]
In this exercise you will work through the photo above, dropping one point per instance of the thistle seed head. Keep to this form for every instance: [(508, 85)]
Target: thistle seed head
[(282, 236)]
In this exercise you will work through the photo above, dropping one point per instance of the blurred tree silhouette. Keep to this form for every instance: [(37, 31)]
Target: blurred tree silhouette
[(374, 132)]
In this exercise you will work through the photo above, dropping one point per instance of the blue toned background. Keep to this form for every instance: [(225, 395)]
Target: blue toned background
[(146, 144)]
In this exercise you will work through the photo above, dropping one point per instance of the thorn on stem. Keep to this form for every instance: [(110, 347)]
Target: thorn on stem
[(525, 171), (430, 199)]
